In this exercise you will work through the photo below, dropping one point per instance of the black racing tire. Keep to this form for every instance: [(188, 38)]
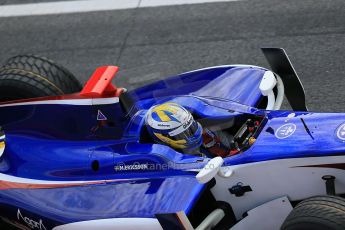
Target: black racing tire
[(29, 76), (317, 213)]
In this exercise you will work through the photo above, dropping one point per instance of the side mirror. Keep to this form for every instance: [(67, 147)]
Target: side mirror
[(267, 85), (210, 170)]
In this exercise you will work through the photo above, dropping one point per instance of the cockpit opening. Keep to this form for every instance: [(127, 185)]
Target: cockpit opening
[(225, 137)]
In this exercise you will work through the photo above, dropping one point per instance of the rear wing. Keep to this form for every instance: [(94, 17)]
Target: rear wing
[(281, 65)]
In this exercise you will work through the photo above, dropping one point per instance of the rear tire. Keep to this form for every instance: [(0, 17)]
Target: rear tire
[(29, 76), (317, 213)]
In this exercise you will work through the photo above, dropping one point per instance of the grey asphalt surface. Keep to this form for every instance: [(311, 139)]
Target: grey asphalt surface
[(151, 43)]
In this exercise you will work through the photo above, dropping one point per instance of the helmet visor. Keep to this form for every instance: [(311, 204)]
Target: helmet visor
[(189, 132)]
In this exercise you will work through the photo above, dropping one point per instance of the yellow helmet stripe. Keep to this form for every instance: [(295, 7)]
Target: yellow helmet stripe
[(178, 144), (160, 110), (161, 114)]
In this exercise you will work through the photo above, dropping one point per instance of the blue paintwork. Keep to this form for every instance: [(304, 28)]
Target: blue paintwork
[(231, 83), (323, 142), (137, 198), (341, 132), (61, 142)]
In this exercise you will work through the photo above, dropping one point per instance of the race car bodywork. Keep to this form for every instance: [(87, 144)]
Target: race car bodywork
[(85, 160)]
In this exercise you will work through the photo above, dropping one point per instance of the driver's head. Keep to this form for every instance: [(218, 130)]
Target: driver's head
[(172, 124)]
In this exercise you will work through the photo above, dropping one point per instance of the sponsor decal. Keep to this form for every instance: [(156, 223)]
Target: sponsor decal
[(163, 125), (101, 116), (30, 222), (186, 125), (285, 131), (341, 132), (123, 167)]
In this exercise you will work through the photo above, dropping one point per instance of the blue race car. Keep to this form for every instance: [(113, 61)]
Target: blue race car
[(75, 157)]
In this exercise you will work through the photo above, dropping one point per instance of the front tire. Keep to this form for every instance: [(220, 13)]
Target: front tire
[(29, 76), (317, 213)]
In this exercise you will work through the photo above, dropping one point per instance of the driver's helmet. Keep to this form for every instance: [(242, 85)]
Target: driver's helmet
[(172, 124)]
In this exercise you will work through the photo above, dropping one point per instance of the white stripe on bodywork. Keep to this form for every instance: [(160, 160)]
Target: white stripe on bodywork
[(224, 66), (89, 101), (14, 179), (114, 223)]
